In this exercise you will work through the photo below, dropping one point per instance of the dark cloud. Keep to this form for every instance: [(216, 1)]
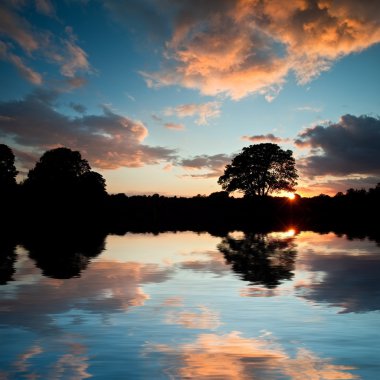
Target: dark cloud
[(80, 108), (350, 280), (350, 146), (107, 140), (262, 138), (213, 165)]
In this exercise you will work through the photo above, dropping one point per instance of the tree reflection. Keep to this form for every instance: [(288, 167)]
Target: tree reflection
[(7, 261), (260, 258), (64, 254)]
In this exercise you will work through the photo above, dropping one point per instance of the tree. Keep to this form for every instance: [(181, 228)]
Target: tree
[(260, 170), (8, 170), (62, 171), (57, 169)]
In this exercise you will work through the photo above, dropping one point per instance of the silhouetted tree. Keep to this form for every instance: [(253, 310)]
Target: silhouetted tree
[(64, 254), (64, 172), (8, 170), (259, 258), (92, 184), (260, 169)]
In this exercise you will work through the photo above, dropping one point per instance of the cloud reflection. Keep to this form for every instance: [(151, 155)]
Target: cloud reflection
[(203, 318), (233, 357), (104, 288)]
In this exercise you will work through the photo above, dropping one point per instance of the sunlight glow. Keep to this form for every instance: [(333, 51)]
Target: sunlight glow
[(291, 196), (291, 232)]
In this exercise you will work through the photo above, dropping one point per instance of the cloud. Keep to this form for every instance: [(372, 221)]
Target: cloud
[(107, 140), (203, 112), (17, 29), (204, 319), (75, 82), (75, 57), (28, 73), (214, 165), (80, 108), (45, 7), (239, 47), (309, 109), (174, 126), (40, 44), (350, 146), (264, 138), (233, 357), (331, 186), (157, 118)]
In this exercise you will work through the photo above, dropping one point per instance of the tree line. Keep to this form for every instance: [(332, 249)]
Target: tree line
[(63, 186)]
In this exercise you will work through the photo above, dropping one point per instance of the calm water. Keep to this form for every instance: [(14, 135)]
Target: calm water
[(192, 306)]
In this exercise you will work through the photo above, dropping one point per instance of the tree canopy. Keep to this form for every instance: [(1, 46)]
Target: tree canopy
[(8, 170), (260, 170), (63, 170)]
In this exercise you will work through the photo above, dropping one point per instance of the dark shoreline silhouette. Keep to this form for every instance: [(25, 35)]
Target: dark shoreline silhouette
[(62, 214)]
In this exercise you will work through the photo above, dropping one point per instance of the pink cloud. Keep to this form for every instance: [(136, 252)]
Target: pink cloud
[(264, 138), (203, 112), (27, 72), (174, 126)]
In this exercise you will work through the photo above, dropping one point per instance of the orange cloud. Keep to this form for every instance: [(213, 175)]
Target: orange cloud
[(245, 46)]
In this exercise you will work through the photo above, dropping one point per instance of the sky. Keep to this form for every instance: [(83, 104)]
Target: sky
[(160, 95)]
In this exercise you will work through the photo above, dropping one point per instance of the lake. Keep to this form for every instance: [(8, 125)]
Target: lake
[(280, 305)]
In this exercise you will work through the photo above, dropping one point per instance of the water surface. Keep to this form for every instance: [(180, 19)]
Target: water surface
[(283, 305)]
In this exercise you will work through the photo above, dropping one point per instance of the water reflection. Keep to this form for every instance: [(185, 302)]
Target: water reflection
[(172, 306), (64, 254), (260, 258), (232, 356), (7, 261), (345, 273)]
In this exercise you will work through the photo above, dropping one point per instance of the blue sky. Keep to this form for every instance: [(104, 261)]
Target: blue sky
[(158, 95)]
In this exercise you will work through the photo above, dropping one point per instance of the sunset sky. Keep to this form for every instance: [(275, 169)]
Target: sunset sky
[(159, 95)]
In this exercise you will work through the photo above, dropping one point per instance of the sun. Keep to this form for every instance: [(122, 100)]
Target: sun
[(291, 196)]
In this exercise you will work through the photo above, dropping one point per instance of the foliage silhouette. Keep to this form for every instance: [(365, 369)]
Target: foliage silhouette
[(260, 258), (8, 259), (64, 254), (8, 170), (260, 169), (62, 186)]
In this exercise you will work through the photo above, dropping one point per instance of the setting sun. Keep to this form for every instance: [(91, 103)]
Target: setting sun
[(291, 232), (291, 196)]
